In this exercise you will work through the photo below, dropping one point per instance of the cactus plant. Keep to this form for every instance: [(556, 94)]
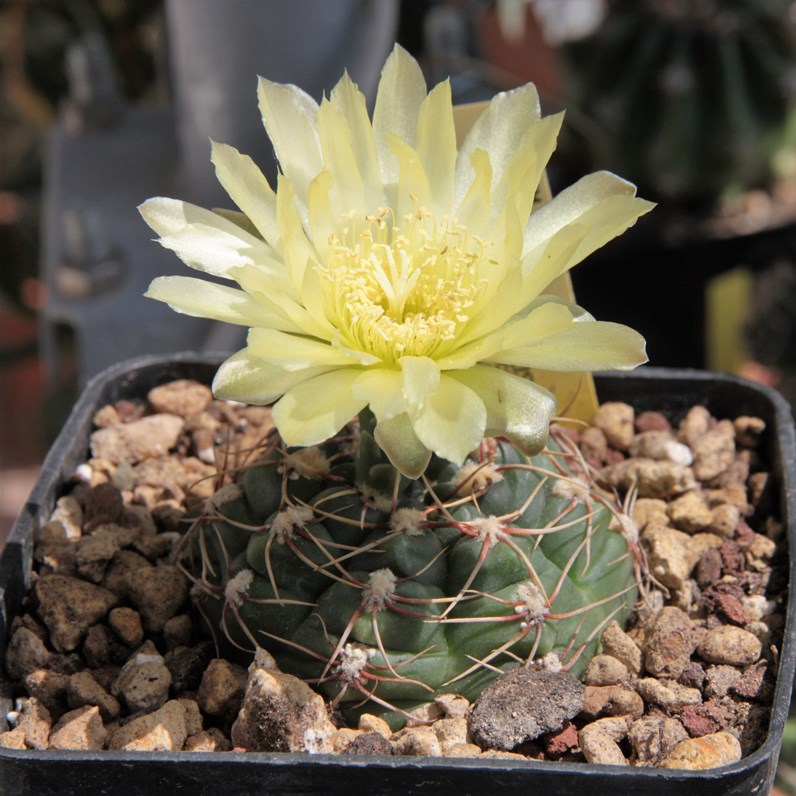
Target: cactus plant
[(395, 289), (690, 97), (372, 586)]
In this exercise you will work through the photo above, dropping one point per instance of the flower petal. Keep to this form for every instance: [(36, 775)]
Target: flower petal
[(247, 378), (436, 146), (406, 452), (204, 299), (248, 188), (421, 378), (347, 190), (316, 409), (297, 249), (401, 92), (587, 345), (452, 420), (293, 352), (498, 131), (381, 388), (603, 203), (204, 240), (351, 101), (516, 408), (260, 284), (289, 118)]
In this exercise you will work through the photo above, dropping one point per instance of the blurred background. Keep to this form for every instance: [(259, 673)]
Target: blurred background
[(104, 103)]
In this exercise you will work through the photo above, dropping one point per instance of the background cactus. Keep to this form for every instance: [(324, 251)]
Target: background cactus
[(372, 586), (690, 97)]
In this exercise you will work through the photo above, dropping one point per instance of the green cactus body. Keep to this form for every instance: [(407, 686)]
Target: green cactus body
[(369, 585)]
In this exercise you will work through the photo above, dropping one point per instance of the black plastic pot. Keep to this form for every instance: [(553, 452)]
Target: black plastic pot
[(63, 772)]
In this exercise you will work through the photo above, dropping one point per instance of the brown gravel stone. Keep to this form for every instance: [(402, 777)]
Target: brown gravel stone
[(182, 397), (370, 723), (593, 446), (178, 631), (696, 422), (49, 688), (26, 653), (131, 442), (280, 713), (33, 720), (605, 670), (690, 512), (748, 430), (667, 694), (104, 504), (704, 719), (650, 510), (69, 606), (368, 743), (610, 700), (69, 513), (126, 624), (730, 645), (653, 479), (709, 751), (708, 569), (450, 732), (13, 739), (144, 681), (714, 452), (523, 704), (654, 737), (557, 744), (121, 565), (82, 689), (651, 421), (615, 420), (621, 646), (158, 593), (671, 555), (418, 742), (210, 740), (669, 643), (161, 731), (79, 729), (222, 687), (599, 741), (719, 680), (724, 519), (662, 446)]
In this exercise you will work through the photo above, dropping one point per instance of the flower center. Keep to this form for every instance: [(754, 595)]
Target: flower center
[(403, 289)]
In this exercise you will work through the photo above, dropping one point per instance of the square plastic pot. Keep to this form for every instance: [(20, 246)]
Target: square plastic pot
[(66, 772)]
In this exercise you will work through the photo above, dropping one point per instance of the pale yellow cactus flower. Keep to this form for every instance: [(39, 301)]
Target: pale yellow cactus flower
[(389, 270)]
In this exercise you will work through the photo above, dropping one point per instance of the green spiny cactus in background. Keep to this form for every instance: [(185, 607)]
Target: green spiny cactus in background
[(377, 588), (690, 97)]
